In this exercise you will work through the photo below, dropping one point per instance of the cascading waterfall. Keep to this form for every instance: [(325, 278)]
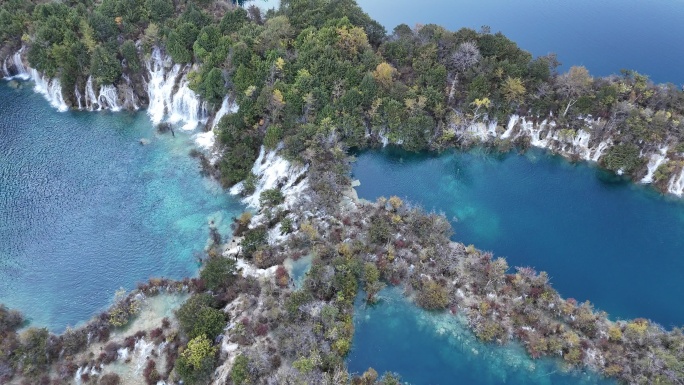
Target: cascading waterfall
[(227, 107), (653, 163), (512, 121), (183, 105), (106, 98), (17, 69), (598, 152), (168, 88), (207, 139), (534, 131), (141, 351), (79, 97), (109, 98), (546, 135), (90, 97), (676, 185), (51, 89), (482, 131), (273, 171), (22, 73), (383, 138), (131, 99), (160, 86), (187, 107), (580, 144)]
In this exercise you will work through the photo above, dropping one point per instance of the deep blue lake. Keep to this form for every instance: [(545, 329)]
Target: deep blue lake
[(86, 209), (600, 238), (605, 36)]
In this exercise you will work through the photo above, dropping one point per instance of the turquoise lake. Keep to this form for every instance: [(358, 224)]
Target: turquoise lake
[(600, 238), (437, 348), (605, 36), (86, 209)]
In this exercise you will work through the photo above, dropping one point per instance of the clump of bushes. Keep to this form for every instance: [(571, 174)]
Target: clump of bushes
[(150, 373), (218, 273), (622, 157), (432, 296), (196, 362), (124, 309), (282, 277), (271, 197), (197, 317), (240, 372), (110, 379), (253, 240), (241, 224), (10, 320)]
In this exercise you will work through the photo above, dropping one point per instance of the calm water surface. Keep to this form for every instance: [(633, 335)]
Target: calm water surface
[(617, 244), (86, 209), (428, 348), (605, 36)]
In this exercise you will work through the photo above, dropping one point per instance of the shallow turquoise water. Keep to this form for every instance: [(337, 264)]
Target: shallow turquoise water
[(298, 269), (600, 238), (86, 209), (605, 36), (436, 348)]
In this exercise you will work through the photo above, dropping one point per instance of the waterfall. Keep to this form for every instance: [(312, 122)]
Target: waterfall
[(78, 95), (160, 86), (580, 144), (273, 171), (482, 131), (653, 163), (170, 97), (383, 138), (534, 132), (227, 107), (141, 351), (207, 139), (51, 89), (90, 97), (106, 98), (511, 125), (19, 67), (676, 185), (109, 98), (183, 105), (16, 69), (600, 149), (187, 107)]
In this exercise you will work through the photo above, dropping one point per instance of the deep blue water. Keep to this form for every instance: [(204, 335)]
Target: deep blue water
[(86, 209), (602, 239), (605, 36), (436, 348)]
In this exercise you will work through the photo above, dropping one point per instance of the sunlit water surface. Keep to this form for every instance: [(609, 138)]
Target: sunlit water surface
[(86, 209)]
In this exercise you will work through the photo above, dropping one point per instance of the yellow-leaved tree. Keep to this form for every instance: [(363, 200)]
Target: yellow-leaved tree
[(384, 74)]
